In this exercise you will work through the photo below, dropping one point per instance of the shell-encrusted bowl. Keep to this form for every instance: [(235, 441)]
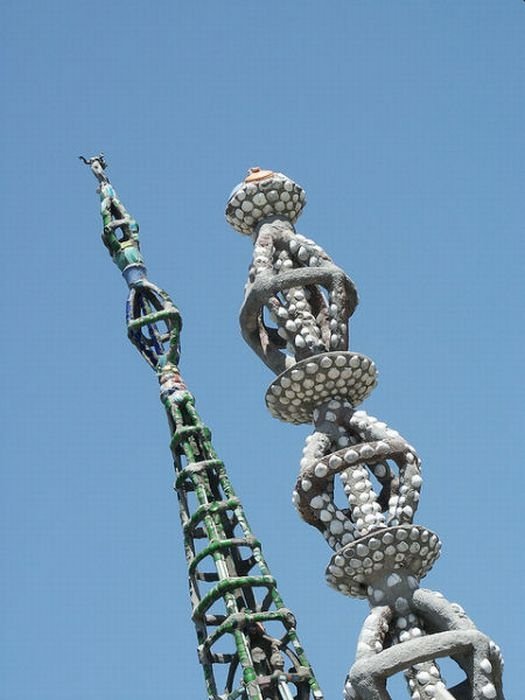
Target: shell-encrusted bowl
[(262, 195), (298, 391), (409, 547)]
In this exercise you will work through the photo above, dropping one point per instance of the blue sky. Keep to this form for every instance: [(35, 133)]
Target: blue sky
[(404, 122)]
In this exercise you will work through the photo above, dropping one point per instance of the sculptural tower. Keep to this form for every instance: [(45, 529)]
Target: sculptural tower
[(295, 317), (234, 597)]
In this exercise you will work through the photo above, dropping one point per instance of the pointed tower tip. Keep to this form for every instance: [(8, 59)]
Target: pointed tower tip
[(255, 174), (98, 166), (100, 159)]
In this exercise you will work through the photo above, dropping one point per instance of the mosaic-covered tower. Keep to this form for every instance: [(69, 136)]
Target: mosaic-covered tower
[(295, 317), (234, 597)]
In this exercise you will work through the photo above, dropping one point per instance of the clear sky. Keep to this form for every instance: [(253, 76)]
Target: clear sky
[(404, 121)]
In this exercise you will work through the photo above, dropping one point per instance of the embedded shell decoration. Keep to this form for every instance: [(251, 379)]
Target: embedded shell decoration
[(299, 390), (379, 553), (409, 547), (262, 195)]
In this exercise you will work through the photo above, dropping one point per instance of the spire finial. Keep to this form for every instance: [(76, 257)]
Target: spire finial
[(98, 166)]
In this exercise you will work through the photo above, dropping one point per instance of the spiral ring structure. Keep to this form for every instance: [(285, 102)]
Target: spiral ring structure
[(295, 317)]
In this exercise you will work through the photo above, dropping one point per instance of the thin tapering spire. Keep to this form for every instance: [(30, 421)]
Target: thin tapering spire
[(232, 592)]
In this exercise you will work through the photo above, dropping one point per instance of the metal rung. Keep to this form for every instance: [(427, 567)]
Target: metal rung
[(228, 585)]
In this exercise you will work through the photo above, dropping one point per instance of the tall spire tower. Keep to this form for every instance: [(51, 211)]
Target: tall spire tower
[(234, 598), (295, 317)]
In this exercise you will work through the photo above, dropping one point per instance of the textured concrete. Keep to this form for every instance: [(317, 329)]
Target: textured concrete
[(295, 316)]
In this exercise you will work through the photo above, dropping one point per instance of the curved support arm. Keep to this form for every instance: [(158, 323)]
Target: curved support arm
[(439, 614), (267, 285), (368, 675)]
